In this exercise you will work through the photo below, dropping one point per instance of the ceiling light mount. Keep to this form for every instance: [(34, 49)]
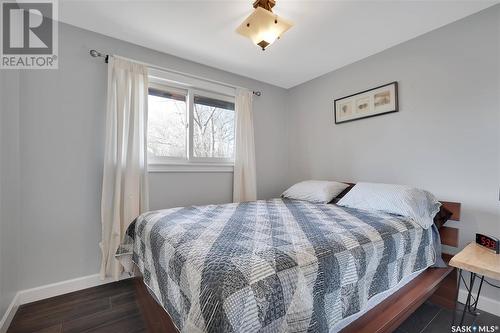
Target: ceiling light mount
[(264, 27), (266, 4)]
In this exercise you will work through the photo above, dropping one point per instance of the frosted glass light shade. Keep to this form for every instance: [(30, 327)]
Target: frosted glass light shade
[(263, 27)]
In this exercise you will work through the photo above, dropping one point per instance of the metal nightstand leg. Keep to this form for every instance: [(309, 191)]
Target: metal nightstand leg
[(478, 293), (469, 306), (459, 280)]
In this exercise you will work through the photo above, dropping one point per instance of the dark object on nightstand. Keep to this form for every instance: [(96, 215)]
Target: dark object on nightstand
[(489, 242)]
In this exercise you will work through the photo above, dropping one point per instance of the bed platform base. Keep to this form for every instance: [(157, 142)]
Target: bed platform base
[(436, 284), (155, 317)]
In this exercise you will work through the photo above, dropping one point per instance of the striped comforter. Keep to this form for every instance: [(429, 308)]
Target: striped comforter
[(273, 266)]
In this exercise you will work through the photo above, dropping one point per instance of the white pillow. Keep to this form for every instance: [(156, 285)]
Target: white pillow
[(317, 191), (419, 205)]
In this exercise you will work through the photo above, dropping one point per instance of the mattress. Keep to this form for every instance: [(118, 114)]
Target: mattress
[(276, 265)]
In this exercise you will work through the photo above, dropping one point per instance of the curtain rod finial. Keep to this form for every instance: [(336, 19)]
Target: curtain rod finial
[(97, 54)]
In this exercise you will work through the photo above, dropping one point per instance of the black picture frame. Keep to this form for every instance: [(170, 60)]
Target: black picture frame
[(396, 105)]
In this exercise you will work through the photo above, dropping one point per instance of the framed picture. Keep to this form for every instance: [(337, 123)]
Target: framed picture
[(366, 104)]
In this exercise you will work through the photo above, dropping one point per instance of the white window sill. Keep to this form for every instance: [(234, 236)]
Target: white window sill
[(190, 167)]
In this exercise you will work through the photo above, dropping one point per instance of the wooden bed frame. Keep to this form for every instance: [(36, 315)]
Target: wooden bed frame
[(436, 284)]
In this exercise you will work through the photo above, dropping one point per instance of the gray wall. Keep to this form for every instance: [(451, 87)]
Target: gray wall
[(215, 188), (4, 301), (446, 137), (62, 133), (9, 188)]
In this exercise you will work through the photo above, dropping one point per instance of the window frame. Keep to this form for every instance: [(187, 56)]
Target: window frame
[(190, 163)]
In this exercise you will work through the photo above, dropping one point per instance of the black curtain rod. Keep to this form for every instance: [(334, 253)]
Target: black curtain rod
[(97, 54)]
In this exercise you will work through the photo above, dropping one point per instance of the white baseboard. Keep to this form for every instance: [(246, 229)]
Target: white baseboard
[(485, 303), (60, 288), (50, 290), (9, 314)]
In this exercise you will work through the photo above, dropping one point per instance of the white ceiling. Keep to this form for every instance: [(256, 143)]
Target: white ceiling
[(327, 34)]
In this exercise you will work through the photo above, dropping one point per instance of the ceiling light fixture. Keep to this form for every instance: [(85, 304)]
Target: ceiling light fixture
[(263, 27)]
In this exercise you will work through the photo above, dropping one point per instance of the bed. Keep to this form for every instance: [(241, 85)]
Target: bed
[(283, 265)]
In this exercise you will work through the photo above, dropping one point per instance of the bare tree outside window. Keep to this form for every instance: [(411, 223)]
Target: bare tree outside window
[(167, 127), (213, 132), (212, 125)]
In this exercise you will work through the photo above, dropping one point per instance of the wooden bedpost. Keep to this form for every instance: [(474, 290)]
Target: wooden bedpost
[(445, 294)]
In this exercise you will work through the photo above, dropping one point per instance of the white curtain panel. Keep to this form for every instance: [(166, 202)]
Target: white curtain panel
[(245, 183), (125, 183)]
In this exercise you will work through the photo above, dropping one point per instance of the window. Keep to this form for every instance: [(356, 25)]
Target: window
[(189, 126), (213, 128), (167, 123)]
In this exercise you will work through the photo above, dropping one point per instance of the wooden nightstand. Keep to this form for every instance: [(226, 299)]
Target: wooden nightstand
[(481, 263)]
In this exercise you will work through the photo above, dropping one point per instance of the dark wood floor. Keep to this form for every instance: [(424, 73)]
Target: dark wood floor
[(126, 306), (431, 318), (123, 306)]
